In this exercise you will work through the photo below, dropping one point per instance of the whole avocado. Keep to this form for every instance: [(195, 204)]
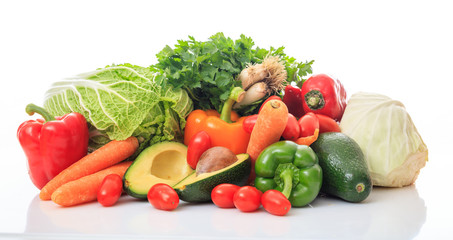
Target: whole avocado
[(345, 172)]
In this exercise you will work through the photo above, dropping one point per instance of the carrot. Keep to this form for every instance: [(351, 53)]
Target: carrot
[(309, 139), (106, 156), (85, 189), (268, 129)]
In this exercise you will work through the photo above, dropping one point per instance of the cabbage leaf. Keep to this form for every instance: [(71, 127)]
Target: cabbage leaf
[(120, 101), (393, 148)]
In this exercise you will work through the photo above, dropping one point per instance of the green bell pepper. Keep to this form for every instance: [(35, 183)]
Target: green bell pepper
[(290, 168)]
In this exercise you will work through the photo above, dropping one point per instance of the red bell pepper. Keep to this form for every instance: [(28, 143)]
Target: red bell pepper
[(52, 144), (324, 95), (293, 100)]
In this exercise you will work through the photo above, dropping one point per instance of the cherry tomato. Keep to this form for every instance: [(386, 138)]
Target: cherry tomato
[(163, 197), (292, 129), (249, 123), (110, 190), (275, 202), (198, 144), (247, 199), (308, 123), (222, 195)]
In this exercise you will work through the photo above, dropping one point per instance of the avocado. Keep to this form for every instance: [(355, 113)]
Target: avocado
[(197, 188), (345, 172), (164, 162)]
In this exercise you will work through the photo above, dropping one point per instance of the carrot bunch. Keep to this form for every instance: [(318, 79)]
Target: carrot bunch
[(80, 182)]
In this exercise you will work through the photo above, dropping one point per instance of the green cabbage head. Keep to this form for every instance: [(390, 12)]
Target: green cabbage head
[(393, 148)]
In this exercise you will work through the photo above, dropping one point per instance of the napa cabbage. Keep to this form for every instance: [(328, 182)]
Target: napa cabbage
[(120, 101)]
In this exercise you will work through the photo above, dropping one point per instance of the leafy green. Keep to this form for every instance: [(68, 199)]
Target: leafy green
[(121, 101), (208, 70)]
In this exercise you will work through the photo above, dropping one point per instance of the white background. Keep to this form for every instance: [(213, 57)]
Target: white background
[(403, 49)]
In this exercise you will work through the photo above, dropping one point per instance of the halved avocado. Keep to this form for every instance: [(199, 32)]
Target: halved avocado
[(164, 162), (197, 188)]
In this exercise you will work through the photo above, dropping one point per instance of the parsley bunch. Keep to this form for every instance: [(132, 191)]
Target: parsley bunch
[(208, 70)]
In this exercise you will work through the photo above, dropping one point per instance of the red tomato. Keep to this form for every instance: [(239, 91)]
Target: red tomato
[(163, 197), (247, 199), (198, 144), (222, 195), (292, 129), (110, 190), (308, 123), (249, 123), (275, 203)]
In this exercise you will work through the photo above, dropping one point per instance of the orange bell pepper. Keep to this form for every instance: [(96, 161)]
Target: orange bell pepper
[(224, 129)]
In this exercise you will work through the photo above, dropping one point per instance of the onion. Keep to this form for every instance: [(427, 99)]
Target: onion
[(271, 71), (256, 92)]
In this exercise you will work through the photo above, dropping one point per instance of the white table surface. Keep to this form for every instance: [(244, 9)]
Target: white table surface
[(397, 48)]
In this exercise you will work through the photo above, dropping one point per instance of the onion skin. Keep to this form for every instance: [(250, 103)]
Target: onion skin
[(256, 92)]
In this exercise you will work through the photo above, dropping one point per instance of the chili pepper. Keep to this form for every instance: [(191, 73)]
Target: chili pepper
[(52, 144), (293, 100), (291, 169), (220, 127), (308, 140), (327, 124), (324, 95)]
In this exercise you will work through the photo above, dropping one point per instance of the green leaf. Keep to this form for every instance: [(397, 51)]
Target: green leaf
[(209, 48), (215, 64), (223, 79), (120, 101), (208, 74), (227, 66), (165, 53)]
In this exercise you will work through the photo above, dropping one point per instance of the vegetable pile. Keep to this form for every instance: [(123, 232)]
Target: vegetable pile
[(217, 121)]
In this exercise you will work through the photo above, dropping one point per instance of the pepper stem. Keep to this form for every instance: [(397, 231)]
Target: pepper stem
[(314, 100), (287, 177), (32, 109), (236, 95)]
